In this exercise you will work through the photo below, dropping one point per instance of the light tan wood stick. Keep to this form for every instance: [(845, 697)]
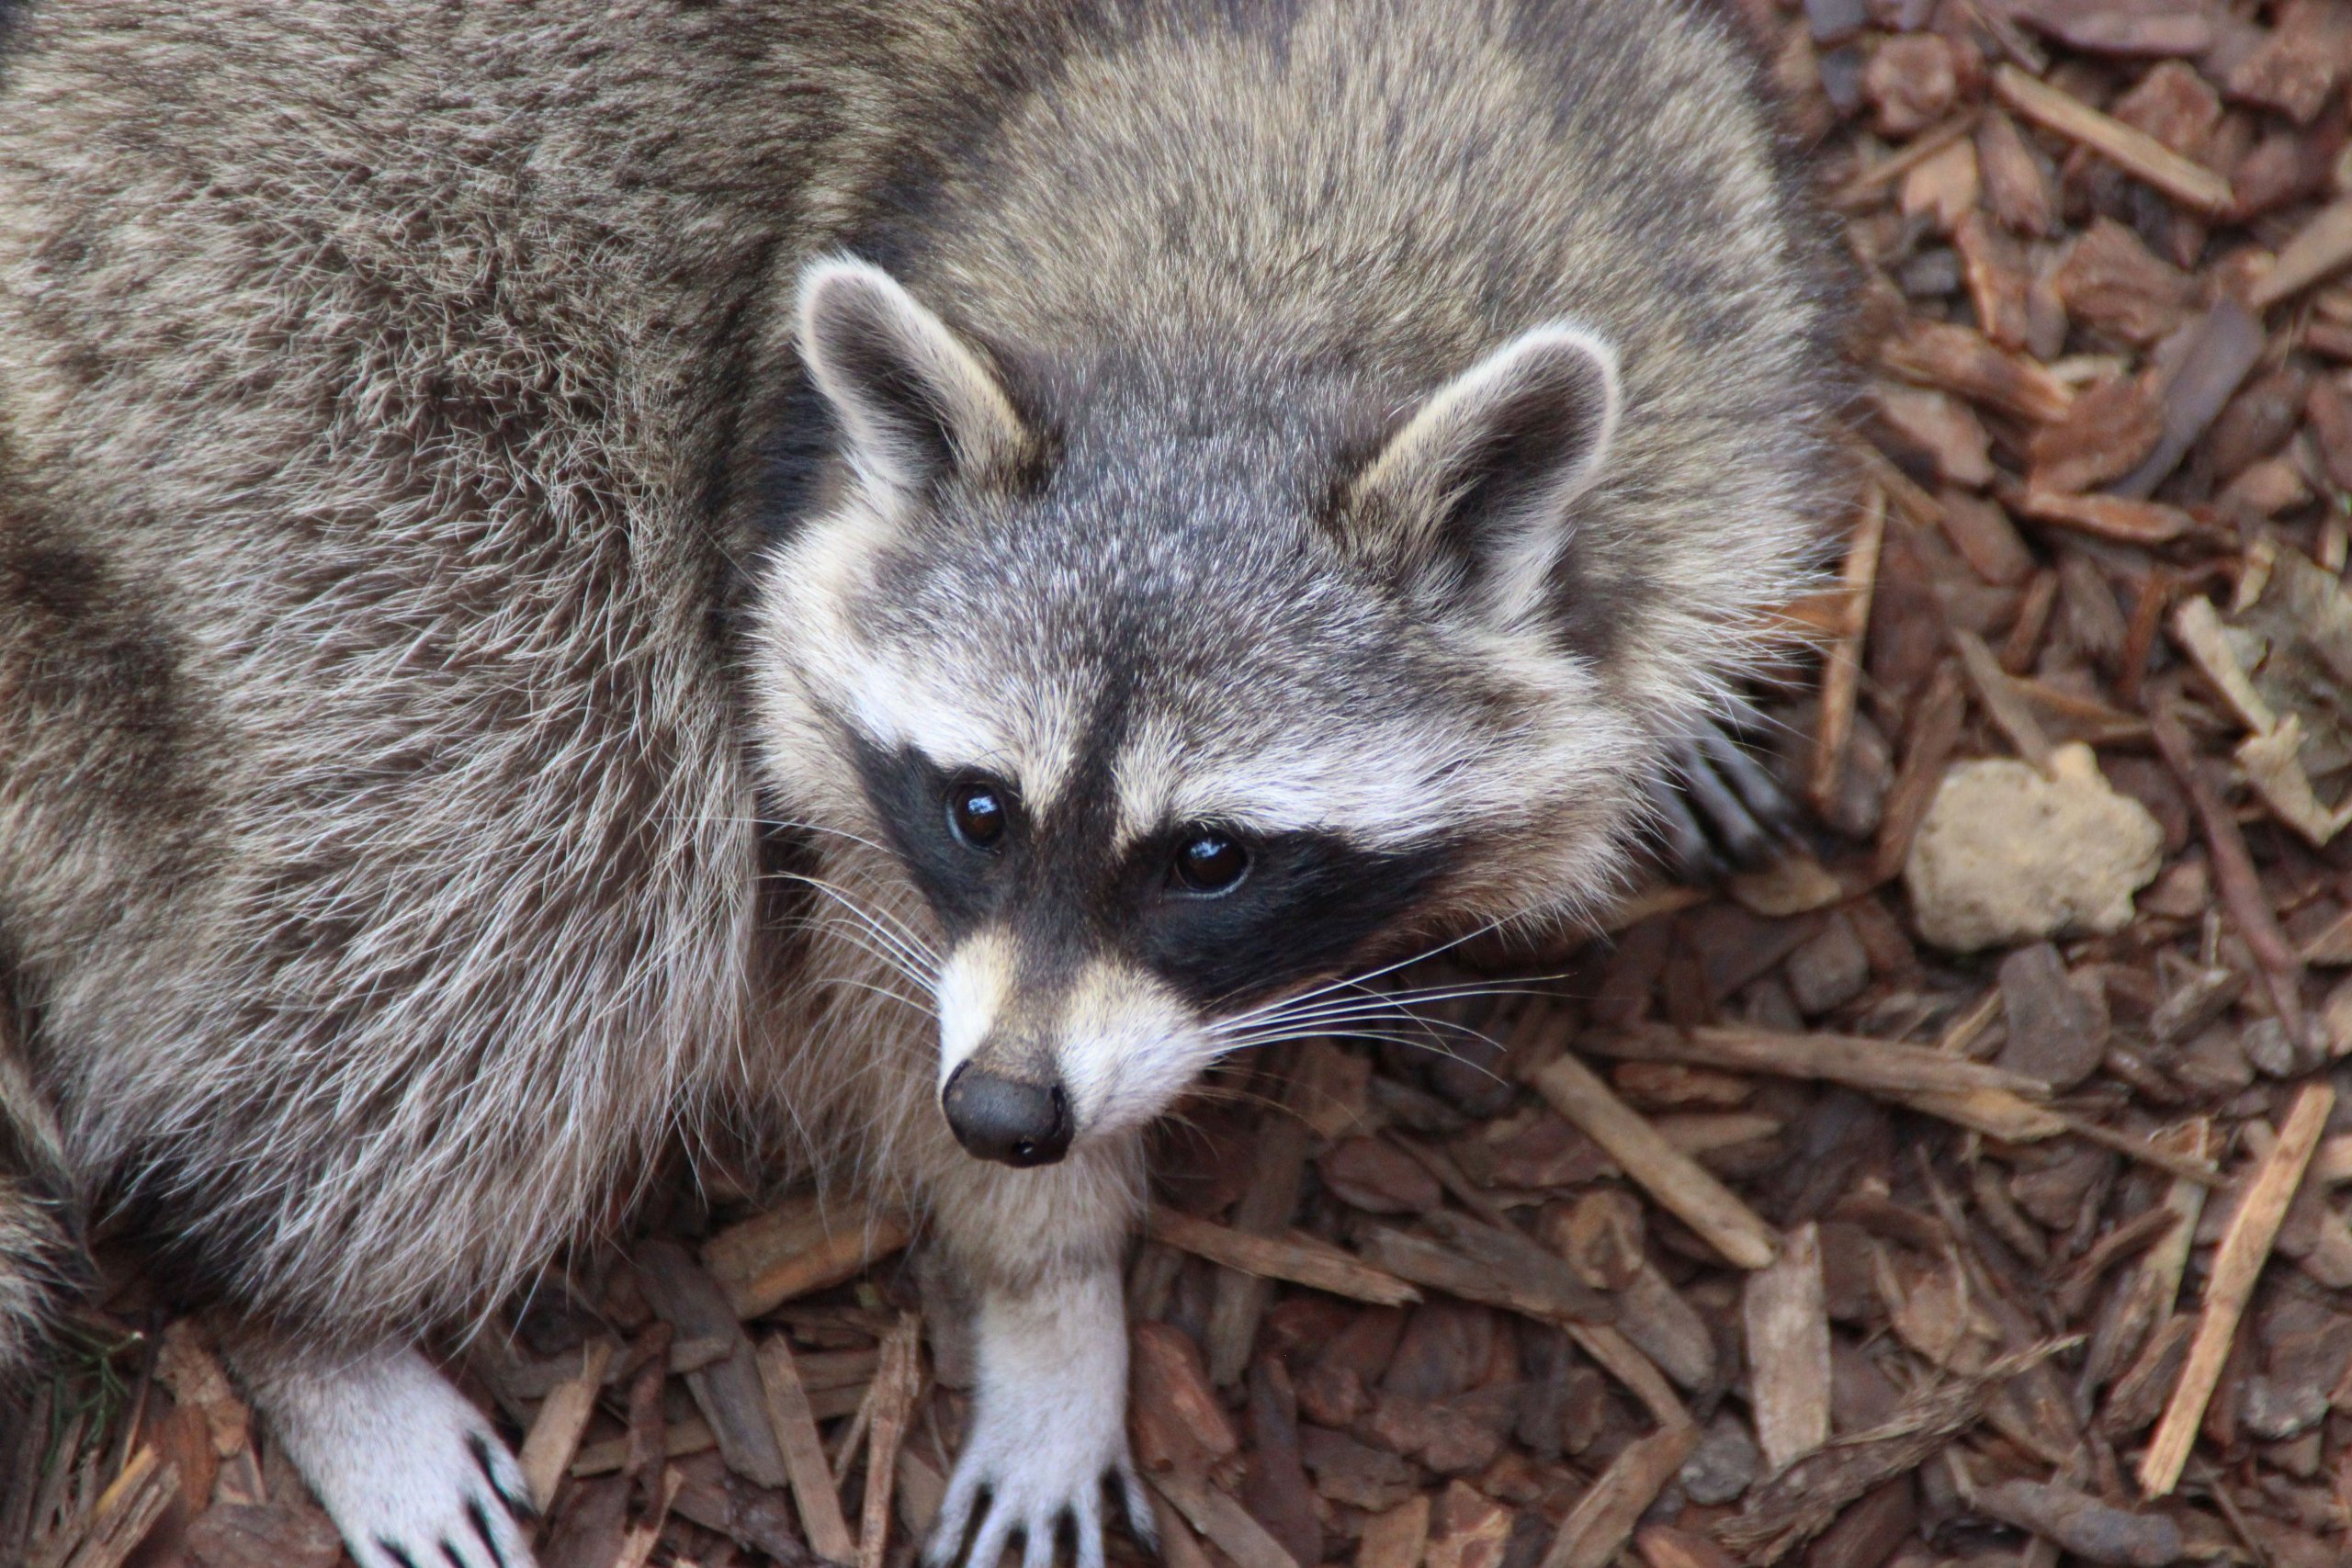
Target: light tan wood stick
[(801, 1244), (2134, 151), (1841, 672), (896, 1384), (1787, 1315), (1673, 1177), (1225, 1523), (1301, 1260), (1604, 1517), (805, 1469), (563, 1415), (2237, 1264)]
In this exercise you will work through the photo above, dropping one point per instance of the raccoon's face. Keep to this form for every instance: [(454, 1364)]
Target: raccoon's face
[(1174, 709)]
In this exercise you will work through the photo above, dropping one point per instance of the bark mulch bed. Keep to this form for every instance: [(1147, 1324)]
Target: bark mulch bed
[(1965, 1189)]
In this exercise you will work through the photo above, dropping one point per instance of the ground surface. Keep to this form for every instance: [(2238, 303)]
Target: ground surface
[(2056, 1265)]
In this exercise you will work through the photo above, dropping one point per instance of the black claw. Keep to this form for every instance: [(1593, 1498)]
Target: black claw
[(521, 1507), (479, 1517), (1763, 794), (397, 1553), (1719, 810), (1686, 844), (451, 1553)]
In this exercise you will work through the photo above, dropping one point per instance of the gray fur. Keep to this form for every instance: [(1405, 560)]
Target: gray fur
[(406, 454)]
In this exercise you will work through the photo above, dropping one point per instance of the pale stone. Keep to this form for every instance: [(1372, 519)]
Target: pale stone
[(2006, 856)]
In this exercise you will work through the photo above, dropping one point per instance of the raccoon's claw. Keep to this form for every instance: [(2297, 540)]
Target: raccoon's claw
[(1718, 809), (1037, 1523), (409, 1471), (1048, 1429)]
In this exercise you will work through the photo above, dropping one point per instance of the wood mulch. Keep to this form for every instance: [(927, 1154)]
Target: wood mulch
[(1856, 1213)]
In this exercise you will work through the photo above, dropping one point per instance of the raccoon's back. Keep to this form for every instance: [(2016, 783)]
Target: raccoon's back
[(372, 841)]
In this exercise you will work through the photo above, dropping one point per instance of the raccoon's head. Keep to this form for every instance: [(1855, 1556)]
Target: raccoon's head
[(1180, 687)]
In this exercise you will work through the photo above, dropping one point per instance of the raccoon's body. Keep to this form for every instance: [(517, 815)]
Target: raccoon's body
[(552, 556)]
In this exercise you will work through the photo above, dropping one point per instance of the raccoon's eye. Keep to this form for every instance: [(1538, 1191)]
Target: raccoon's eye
[(976, 812), (1210, 863)]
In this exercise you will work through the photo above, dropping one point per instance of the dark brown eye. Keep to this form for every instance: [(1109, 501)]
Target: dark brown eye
[(977, 812), (1210, 863)]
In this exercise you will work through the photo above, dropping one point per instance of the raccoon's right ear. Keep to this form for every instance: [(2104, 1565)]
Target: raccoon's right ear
[(1471, 494), (913, 401)]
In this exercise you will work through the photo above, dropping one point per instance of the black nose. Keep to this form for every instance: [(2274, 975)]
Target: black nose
[(1004, 1118)]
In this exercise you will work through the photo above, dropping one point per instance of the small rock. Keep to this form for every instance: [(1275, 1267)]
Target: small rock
[(1722, 1465), (2006, 856), (2268, 1048), (2057, 1029), (1829, 970), (2275, 1410)]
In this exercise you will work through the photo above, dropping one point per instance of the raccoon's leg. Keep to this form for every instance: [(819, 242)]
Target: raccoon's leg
[(1718, 809), (1042, 1249), (408, 1470), (43, 1264)]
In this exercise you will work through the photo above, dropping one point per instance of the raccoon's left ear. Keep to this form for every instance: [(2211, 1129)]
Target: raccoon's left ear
[(914, 402), (1471, 494)]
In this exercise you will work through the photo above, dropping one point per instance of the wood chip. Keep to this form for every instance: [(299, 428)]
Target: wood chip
[(2233, 870), (118, 1522), (1223, 1522), (2237, 1264), (1674, 1178), (1623, 1360), (554, 1437), (2091, 1530), (804, 1244), (898, 1382), (1873, 1066), (1600, 1523), (1395, 1539), (1787, 1319), (2318, 249), (2223, 347), (1842, 661), (1302, 1260), (1961, 359), (1277, 1166), (728, 1391), (636, 1545), (1546, 1290), (2118, 518), (1996, 694), (2134, 151), (806, 1469), (1804, 1499)]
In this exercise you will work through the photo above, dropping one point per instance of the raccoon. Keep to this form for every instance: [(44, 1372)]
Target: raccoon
[(905, 576)]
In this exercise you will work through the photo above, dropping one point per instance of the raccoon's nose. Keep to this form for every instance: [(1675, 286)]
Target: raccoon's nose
[(1004, 1118)]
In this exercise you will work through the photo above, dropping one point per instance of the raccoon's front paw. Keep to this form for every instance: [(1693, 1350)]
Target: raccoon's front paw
[(1048, 1427), (1718, 810), (408, 1470)]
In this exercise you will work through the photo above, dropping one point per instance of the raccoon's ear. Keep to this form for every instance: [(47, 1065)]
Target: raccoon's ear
[(1473, 493), (913, 401)]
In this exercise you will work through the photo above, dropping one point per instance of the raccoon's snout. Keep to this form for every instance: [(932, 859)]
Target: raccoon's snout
[(1004, 1118)]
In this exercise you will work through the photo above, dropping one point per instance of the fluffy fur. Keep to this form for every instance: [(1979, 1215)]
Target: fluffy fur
[(510, 517)]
